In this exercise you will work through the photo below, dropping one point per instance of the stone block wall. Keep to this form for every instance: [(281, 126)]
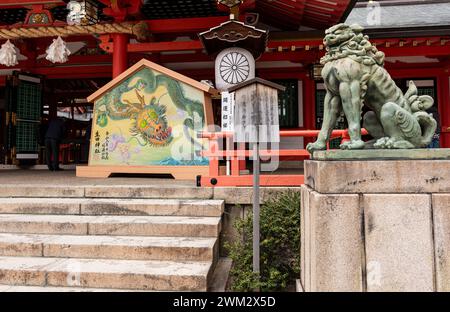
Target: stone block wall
[(376, 226)]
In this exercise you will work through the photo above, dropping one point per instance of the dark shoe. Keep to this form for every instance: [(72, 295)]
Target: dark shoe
[(59, 169), (50, 168)]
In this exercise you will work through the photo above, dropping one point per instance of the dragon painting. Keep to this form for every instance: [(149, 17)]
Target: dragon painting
[(149, 121), (354, 75)]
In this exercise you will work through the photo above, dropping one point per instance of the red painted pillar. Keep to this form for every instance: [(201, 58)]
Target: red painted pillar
[(443, 84), (120, 57), (309, 106), (309, 100)]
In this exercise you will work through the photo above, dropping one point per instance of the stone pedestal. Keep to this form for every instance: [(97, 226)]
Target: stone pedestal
[(378, 224)]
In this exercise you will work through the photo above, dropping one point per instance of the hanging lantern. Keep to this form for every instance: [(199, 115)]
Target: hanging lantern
[(315, 71), (82, 12), (8, 54), (57, 52), (236, 47)]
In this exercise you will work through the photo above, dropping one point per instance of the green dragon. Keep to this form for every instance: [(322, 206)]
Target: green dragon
[(149, 120)]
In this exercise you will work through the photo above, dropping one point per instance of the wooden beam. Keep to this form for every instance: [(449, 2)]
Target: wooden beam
[(21, 3), (168, 26), (184, 25), (298, 73), (74, 72), (165, 46), (79, 60), (272, 7), (294, 56), (418, 50), (297, 56), (397, 73)]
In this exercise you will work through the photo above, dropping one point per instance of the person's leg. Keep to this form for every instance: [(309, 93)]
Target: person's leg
[(48, 154), (55, 147)]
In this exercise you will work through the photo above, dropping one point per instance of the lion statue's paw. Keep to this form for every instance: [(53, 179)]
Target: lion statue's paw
[(387, 142), (316, 146), (349, 145)]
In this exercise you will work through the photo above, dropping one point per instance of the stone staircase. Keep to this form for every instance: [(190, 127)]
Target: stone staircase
[(76, 243)]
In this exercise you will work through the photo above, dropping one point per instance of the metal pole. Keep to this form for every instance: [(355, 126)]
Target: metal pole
[(256, 235)]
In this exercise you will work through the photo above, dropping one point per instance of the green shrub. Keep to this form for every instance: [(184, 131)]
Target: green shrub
[(280, 246)]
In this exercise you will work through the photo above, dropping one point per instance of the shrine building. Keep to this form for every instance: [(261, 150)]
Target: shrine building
[(117, 34), (129, 87)]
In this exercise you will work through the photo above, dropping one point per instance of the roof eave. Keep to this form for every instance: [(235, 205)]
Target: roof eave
[(146, 63)]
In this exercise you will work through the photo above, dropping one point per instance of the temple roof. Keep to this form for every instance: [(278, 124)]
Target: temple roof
[(147, 64), (401, 14), (235, 33), (280, 14)]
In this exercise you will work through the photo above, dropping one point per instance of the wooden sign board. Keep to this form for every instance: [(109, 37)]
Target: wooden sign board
[(146, 120), (227, 111), (256, 112)]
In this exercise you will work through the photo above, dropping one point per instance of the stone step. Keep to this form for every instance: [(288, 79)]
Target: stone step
[(168, 190), (31, 289), (85, 206), (109, 247), (111, 225), (37, 190), (97, 273)]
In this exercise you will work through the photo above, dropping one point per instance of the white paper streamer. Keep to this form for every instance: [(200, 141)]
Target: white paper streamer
[(57, 52), (8, 54)]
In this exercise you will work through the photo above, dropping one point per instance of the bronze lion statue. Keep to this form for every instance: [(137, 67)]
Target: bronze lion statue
[(354, 76)]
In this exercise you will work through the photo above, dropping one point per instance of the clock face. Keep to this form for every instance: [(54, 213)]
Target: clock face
[(234, 68)]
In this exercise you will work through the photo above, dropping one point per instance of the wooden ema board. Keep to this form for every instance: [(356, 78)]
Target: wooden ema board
[(146, 121)]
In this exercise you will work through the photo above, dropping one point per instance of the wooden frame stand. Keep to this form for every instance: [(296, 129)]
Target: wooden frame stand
[(178, 172), (104, 169)]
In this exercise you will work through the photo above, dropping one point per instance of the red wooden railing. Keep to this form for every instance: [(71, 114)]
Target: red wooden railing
[(237, 156)]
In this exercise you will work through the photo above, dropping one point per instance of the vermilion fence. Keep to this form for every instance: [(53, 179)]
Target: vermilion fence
[(221, 147)]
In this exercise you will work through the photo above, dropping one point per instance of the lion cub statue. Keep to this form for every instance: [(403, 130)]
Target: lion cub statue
[(354, 76)]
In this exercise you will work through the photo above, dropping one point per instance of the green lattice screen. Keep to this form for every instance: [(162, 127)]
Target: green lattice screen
[(288, 103), (431, 91), (28, 106), (29, 101), (426, 91), (27, 137)]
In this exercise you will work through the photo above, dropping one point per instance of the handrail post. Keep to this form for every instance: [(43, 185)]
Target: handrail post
[(242, 157), (229, 161), (214, 160)]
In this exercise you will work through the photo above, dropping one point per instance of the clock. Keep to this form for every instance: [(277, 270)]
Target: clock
[(233, 66)]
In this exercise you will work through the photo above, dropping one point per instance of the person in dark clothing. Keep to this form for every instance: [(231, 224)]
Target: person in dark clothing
[(55, 133), (87, 140), (88, 131), (436, 137)]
